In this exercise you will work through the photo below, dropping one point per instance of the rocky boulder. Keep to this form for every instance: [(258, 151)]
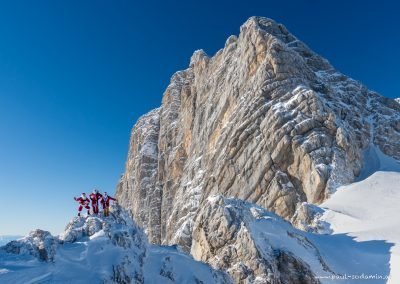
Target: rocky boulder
[(40, 244)]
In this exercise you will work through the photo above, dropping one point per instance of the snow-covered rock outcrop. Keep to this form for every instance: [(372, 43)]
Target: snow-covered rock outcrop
[(40, 244), (100, 250), (257, 246), (223, 236), (264, 120)]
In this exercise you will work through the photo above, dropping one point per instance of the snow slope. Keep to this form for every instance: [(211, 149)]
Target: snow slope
[(100, 250), (375, 161), (91, 261), (369, 210)]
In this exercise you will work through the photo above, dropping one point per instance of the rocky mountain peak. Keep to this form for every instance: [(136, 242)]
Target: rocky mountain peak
[(262, 25), (265, 120)]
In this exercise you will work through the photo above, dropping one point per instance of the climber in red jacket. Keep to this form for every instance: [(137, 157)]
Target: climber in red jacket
[(95, 197), (83, 202), (105, 201)]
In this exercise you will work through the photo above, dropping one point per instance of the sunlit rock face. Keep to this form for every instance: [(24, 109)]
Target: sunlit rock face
[(264, 120)]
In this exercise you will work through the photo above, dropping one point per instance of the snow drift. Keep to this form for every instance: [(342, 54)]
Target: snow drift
[(100, 250)]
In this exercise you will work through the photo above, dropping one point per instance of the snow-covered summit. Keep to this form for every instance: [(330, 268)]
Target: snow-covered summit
[(100, 250)]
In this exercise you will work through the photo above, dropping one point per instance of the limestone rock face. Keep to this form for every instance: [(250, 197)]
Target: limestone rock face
[(264, 120), (137, 187)]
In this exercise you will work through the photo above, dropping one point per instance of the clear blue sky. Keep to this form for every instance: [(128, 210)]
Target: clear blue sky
[(75, 76)]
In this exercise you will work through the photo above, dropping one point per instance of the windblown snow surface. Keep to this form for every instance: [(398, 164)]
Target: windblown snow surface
[(369, 211), (100, 250), (92, 262)]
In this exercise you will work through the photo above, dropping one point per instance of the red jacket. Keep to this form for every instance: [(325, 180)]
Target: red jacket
[(106, 200), (82, 201), (95, 197)]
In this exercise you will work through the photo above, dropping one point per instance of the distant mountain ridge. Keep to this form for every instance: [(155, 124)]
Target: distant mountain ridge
[(4, 239)]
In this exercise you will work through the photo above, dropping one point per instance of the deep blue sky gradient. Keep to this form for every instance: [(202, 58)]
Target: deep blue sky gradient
[(75, 76)]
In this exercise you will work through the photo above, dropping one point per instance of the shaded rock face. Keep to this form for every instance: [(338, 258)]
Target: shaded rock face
[(137, 187), (264, 120)]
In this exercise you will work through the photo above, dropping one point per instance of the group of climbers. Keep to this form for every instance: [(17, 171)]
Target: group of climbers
[(94, 198)]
